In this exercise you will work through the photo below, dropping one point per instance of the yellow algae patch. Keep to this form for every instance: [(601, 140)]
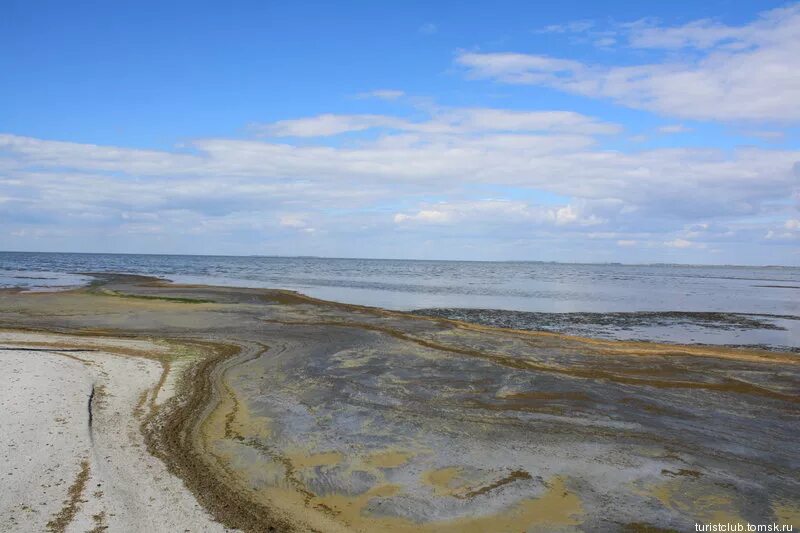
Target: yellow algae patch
[(702, 502), (388, 459), (303, 460), (350, 509), (557, 507), (443, 480), (312, 515), (451, 481), (233, 420), (787, 513)]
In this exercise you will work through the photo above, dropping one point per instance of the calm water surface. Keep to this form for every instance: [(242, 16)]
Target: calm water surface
[(516, 286)]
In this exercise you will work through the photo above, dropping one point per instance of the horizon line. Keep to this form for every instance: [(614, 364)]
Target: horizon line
[(543, 261)]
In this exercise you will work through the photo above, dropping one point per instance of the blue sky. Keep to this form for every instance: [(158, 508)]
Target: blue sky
[(571, 131)]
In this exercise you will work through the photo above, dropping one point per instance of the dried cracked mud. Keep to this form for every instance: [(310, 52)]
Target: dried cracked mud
[(294, 414)]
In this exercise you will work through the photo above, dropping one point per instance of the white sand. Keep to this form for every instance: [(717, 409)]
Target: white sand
[(45, 438)]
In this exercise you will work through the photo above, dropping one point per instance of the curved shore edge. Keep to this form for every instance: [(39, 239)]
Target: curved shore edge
[(199, 420), (74, 453), (174, 434)]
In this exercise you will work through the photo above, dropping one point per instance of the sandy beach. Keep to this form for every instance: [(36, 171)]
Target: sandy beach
[(74, 455), (138, 405)]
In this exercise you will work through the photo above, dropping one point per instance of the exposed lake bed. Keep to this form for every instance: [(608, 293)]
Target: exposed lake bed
[(767, 331), (688, 304), (309, 414)]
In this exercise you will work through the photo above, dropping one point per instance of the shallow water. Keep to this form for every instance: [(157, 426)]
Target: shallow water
[(511, 286)]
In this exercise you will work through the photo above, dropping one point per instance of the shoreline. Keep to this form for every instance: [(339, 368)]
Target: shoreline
[(208, 417), (729, 329)]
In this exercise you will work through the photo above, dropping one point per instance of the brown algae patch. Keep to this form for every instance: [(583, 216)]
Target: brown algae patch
[(681, 472), (516, 475), (108, 292), (453, 481), (74, 499), (178, 437)]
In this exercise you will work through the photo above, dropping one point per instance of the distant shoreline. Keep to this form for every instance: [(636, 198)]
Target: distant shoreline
[(760, 329), (523, 261)]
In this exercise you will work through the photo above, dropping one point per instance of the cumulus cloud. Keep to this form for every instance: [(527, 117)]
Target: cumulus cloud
[(702, 182), (491, 212), (788, 232), (733, 73), (499, 181), (680, 181), (548, 175)]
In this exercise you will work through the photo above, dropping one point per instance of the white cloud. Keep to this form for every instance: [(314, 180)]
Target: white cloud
[(700, 34), (788, 232), (325, 125), (482, 119), (383, 183), (448, 121), (695, 182), (735, 73), (492, 212), (683, 243), (426, 215)]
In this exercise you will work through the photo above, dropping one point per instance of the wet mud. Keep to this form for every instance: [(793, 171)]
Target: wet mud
[(298, 415), (728, 329)]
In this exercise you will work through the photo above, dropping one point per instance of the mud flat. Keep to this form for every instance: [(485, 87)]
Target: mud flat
[(739, 330), (265, 410)]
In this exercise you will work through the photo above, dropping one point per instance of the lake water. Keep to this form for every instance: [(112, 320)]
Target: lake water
[(656, 302)]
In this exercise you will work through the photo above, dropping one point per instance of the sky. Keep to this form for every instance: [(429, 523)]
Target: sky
[(585, 131)]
